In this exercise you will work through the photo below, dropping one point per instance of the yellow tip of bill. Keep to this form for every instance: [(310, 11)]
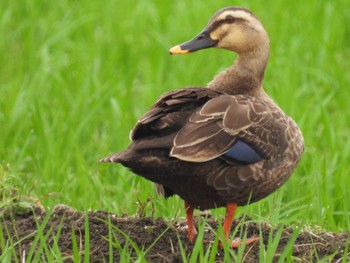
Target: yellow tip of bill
[(177, 50)]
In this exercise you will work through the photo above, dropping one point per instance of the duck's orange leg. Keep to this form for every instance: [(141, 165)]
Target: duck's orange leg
[(230, 212), (192, 232)]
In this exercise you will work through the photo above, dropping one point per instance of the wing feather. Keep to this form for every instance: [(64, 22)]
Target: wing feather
[(224, 121)]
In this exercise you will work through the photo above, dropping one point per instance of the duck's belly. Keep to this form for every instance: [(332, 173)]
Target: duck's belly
[(209, 184)]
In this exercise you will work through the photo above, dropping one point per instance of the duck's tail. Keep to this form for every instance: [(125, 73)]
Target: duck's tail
[(126, 158), (115, 158)]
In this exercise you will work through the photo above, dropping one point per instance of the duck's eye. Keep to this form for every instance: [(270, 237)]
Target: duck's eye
[(229, 19)]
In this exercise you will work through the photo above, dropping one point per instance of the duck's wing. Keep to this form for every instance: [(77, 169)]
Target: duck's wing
[(198, 125), (239, 128)]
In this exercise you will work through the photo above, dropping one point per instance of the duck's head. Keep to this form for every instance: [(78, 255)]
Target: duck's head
[(232, 28)]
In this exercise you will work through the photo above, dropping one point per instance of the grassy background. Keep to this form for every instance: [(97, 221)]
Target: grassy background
[(76, 75)]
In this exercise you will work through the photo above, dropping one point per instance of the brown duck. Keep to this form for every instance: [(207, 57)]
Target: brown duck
[(227, 144)]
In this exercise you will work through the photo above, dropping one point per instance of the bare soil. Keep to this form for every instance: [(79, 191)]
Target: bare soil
[(308, 247)]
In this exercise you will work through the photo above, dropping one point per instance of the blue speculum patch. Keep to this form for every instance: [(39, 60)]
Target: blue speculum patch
[(243, 152)]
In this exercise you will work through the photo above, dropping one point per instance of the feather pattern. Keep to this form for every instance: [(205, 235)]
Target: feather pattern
[(213, 129)]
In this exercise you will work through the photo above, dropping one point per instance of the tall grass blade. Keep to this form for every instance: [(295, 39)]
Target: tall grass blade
[(87, 239), (75, 248)]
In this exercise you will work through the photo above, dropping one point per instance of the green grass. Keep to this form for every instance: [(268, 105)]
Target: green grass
[(76, 75)]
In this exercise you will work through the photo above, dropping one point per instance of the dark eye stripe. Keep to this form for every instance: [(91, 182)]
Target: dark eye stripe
[(215, 25), (218, 23)]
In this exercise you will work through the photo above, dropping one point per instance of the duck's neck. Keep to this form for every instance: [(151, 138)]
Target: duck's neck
[(245, 76)]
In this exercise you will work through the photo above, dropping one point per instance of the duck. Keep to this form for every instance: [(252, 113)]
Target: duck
[(224, 145)]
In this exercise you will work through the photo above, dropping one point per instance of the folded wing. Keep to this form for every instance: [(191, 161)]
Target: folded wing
[(198, 125), (240, 128)]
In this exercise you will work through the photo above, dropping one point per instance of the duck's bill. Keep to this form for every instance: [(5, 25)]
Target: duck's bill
[(201, 41)]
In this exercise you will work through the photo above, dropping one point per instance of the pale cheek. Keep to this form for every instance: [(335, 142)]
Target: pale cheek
[(235, 42), (216, 35)]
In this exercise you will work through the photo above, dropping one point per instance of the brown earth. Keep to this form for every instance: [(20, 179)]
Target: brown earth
[(308, 247)]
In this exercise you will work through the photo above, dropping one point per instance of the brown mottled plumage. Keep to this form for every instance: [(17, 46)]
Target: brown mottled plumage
[(224, 145)]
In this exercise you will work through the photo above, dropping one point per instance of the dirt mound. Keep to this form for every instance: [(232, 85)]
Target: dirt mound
[(144, 232)]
